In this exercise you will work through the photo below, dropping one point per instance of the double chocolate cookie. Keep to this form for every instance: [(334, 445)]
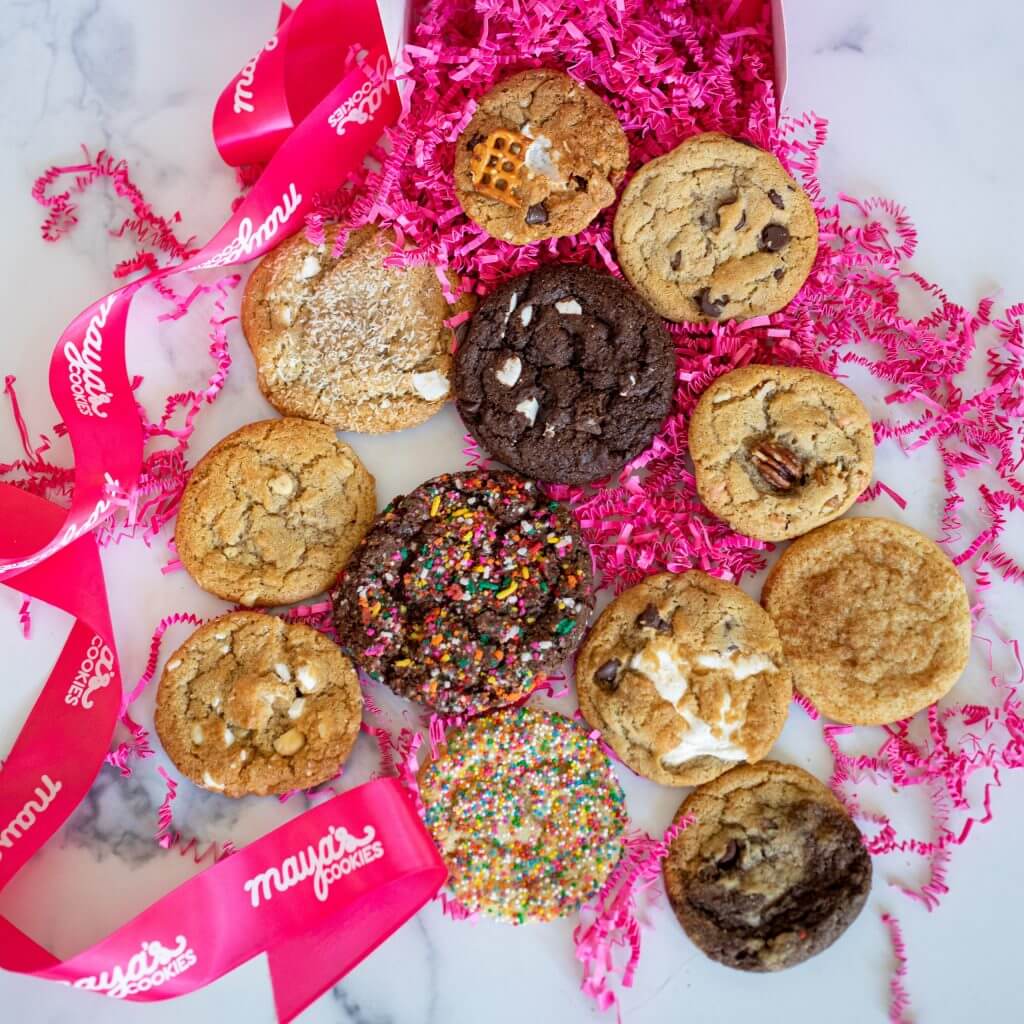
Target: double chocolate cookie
[(565, 374), (771, 872), (464, 591), (715, 230)]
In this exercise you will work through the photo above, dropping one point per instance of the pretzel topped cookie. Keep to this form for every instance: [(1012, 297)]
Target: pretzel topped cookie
[(496, 163)]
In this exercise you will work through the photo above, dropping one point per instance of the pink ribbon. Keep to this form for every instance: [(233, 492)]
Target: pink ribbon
[(321, 892)]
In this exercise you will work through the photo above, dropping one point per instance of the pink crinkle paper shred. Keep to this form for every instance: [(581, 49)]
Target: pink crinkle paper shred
[(671, 68)]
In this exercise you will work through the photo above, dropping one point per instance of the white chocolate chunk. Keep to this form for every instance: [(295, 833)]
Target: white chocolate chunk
[(509, 371), (569, 306), (229, 737), (529, 407), (430, 386), (197, 734), (282, 484), (526, 315), (310, 268), (172, 665), (290, 742), (308, 682), (297, 707), (283, 672), (210, 782)]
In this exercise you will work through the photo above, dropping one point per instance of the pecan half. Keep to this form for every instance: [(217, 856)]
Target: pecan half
[(780, 468)]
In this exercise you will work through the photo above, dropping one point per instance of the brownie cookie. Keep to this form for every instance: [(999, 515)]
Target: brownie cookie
[(251, 705), (540, 158), (272, 512), (527, 813), (684, 677), (349, 341), (779, 450), (465, 591), (874, 619), (565, 374), (715, 230), (771, 872)]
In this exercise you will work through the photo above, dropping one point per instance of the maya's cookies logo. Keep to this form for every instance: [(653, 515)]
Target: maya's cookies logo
[(154, 965), (85, 365), (29, 814), (337, 853), (95, 672), (249, 238), (242, 100), (366, 100)]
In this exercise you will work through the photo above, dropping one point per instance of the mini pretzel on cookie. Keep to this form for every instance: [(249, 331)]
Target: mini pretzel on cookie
[(496, 163)]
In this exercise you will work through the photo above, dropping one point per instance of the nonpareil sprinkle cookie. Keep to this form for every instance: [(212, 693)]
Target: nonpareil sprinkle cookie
[(565, 374), (771, 872), (540, 158), (250, 704), (466, 590), (527, 813)]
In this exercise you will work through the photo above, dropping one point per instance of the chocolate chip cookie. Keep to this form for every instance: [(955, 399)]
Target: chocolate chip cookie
[(527, 813), (874, 619), (715, 230), (272, 512), (250, 705), (684, 676), (779, 450), (540, 158), (464, 591), (349, 341), (772, 871), (565, 374)]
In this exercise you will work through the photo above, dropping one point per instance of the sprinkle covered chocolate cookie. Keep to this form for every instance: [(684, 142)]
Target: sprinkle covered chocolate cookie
[(464, 591), (527, 813), (565, 374)]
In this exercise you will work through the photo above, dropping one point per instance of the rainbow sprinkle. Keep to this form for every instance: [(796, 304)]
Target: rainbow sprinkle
[(458, 600), (527, 813)]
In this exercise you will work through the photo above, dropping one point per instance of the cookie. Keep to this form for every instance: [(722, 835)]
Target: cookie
[(771, 872), (565, 374), (540, 158), (251, 705), (349, 341), (874, 619), (465, 591), (526, 812), (779, 450), (684, 677), (272, 512), (715, 230)]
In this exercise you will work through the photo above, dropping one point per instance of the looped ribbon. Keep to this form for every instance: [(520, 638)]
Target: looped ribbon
[(322, 891)]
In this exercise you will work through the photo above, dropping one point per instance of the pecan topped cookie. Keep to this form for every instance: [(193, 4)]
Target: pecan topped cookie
[(715, 230), (540, 158), (779, 450)]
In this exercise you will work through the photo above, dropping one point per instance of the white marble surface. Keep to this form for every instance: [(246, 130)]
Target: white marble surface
[(922, 98)]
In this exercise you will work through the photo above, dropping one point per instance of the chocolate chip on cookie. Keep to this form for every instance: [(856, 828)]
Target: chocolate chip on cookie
[(874, 619), (349, 341), (464, 591), (715, 229), (565, 374), (253, 705), (771, 872), (684, 676), (540, 158), (780, 450), (272, 512)]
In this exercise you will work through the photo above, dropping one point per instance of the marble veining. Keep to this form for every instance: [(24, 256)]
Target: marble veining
[(922, 102)]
